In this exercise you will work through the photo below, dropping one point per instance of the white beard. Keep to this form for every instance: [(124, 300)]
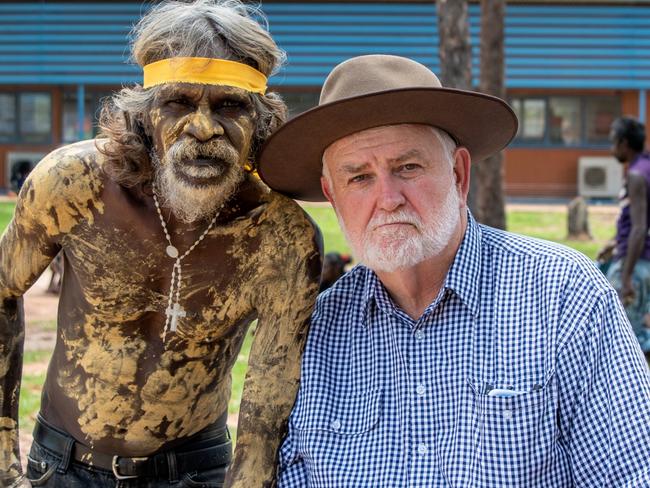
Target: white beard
[(190, 202), (395, 247)]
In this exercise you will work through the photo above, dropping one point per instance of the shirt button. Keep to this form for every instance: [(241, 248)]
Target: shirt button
[(336, 425), (422, 449), (419, 335), (420, 390), (507, 414)]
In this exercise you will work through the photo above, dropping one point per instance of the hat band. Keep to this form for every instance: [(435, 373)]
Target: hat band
[(205, 71)]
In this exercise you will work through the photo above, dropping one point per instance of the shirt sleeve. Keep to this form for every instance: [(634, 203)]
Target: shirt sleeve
[(292, 471), (609, 427)]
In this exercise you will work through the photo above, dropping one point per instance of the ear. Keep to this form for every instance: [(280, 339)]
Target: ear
[(327, 191), (462, 164)]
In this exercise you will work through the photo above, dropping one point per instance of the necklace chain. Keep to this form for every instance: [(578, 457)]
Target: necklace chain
[(172, 313)]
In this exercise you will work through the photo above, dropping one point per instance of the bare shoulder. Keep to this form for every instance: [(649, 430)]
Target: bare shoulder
[(64, 188), (289, 225), (288, 260)]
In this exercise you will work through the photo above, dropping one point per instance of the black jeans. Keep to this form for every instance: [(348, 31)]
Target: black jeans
[(45, 468)]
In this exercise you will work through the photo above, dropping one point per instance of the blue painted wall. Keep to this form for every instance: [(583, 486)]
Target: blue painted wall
[(547, 46)]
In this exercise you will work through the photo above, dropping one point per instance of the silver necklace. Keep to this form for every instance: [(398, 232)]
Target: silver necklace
[(174, 312)]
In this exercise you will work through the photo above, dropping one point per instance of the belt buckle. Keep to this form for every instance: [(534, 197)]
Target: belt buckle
[(115, 466)]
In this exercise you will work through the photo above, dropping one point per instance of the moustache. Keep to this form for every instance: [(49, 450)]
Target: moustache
[(399, 217), (214, 150)]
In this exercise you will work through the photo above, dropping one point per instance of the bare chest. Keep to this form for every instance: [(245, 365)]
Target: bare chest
[(125, 276)]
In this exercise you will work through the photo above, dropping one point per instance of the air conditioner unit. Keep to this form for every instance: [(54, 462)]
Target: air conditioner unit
[(599, 177), (17, 159)]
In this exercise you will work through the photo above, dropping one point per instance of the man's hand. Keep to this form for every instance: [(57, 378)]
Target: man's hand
[(627, 293), (606, 253), (21, 482)]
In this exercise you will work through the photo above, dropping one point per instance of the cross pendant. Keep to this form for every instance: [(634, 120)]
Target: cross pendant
[(174, 313)]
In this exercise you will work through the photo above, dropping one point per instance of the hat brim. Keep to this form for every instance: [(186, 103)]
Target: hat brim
[(291, 159)]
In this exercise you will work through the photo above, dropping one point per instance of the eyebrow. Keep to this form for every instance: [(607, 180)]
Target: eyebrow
[(169, 92), (354, 168), (412, 154)]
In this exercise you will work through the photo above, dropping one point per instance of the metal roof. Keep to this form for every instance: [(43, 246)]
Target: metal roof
[(548, 45)]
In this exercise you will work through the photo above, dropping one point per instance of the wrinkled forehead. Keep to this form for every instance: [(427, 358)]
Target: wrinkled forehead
[(197, 91), (386, 140)]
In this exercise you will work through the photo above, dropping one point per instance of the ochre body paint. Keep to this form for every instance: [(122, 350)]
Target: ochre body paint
[(113, 383)]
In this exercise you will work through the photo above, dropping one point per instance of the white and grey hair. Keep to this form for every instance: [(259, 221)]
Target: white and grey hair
[(225, 29)]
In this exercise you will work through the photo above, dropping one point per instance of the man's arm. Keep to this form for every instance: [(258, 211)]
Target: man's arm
[(607, 422), (636, 240), (285, 303), (60, 192), (25, 251)]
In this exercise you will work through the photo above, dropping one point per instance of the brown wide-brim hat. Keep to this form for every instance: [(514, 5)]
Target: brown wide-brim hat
[(371, 91)]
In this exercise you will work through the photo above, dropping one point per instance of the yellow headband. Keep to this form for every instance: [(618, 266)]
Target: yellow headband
[(206, 71)]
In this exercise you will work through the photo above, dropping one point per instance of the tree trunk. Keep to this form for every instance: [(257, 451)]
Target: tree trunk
[(455, 53), (489, 195)]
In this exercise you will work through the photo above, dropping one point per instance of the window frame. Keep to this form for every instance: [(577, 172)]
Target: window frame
[(545, 141), (94, 98), (18, 137)]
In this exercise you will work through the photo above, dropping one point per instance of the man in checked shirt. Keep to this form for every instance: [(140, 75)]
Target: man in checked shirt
[(455, 354)]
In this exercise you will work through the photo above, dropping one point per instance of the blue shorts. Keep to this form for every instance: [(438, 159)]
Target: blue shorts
[(637, 312)]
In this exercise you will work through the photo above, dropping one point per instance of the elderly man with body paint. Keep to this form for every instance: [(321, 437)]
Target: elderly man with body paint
[(455, 354), (171, 248)]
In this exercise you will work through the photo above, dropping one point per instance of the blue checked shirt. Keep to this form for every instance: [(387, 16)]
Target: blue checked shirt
[(524, 372)]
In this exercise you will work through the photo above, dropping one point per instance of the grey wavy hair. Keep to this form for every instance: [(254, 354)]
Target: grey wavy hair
[(224, 29)]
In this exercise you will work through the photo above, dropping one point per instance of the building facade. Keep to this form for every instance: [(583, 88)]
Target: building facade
[(571, 68)]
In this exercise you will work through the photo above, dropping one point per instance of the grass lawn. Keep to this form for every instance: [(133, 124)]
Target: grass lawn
[(333, 238), (550, 225), (6, 211)]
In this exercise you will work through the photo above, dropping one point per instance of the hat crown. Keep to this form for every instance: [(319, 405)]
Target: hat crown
[(374, 73)]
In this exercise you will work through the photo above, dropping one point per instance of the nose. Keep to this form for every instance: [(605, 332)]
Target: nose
[(390, 196), (202, 126)]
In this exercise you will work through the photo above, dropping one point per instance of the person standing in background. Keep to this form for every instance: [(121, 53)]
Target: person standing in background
[(629, 272)]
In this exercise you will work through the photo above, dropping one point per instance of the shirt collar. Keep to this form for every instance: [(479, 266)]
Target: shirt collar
[(463, 277), (373, 290), (464, 274)]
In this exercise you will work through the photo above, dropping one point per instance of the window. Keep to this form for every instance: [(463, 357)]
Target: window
[(565, 121), (532, 122), (25, 118), (35, 122), (92, 107), (7, 115), (599, 115)]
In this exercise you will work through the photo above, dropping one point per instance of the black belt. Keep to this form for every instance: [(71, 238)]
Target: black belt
[(208, 449)]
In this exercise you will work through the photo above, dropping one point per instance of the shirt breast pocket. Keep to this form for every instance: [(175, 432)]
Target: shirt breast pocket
[(515, 434), (342, 414), (335, 429)]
